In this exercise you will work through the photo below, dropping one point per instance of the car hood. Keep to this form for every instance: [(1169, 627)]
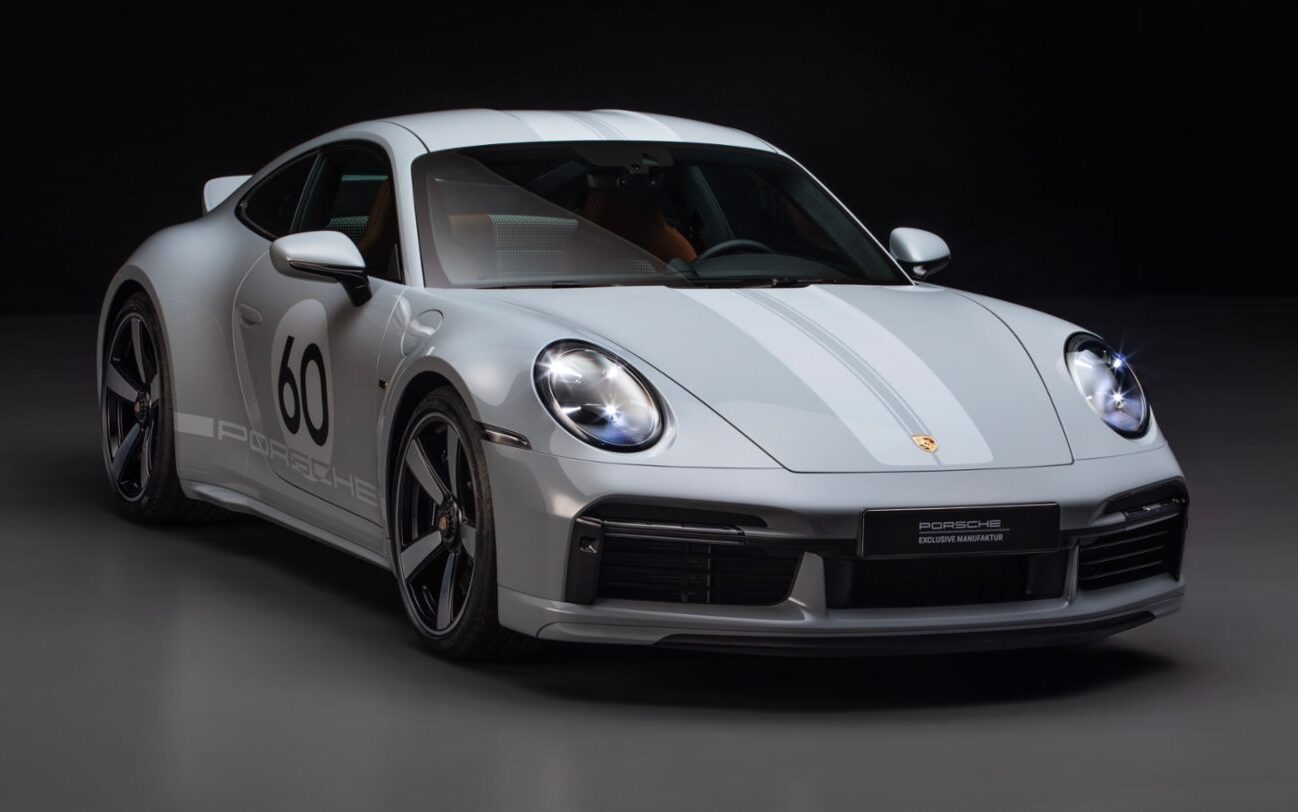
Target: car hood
[(837, 378)]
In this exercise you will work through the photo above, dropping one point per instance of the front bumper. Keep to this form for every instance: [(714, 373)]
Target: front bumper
[(538, 497), (1073, 619)]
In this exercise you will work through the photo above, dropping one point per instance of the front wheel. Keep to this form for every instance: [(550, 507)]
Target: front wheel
[(442, 538)]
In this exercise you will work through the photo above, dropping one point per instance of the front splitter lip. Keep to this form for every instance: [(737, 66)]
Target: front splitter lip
[(961, 642), (644, 623)]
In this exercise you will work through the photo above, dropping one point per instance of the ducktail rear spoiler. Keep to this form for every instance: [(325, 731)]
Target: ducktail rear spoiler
[(216, 190)]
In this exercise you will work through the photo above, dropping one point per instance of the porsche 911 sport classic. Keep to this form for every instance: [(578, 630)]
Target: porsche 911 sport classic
[(625, 378)]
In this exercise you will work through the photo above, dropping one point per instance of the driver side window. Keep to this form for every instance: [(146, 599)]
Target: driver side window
[(351, 193)]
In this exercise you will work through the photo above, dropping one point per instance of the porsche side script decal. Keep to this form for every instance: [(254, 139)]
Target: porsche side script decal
[(310, 469)]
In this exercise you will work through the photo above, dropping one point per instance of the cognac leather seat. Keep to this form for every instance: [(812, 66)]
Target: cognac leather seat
[(637, 217), (379, 238)]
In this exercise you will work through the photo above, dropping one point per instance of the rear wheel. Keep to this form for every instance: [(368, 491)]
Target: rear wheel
[(443, 546), (135, 402)]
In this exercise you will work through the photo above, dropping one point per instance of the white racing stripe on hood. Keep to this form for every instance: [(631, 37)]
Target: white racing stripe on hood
[(893, 373), (838, 386), (832, 378)]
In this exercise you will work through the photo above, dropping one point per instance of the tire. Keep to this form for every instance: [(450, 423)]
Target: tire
[(137, 420), (442, 535)]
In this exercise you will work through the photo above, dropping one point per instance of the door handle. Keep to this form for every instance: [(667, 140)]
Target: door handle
[(249, 315)]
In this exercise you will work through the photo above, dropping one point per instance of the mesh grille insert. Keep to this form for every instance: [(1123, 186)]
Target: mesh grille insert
[(683, 570), (1132, 554), (953, 580)]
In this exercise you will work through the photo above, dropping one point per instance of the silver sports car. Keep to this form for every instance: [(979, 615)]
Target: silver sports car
[(625, 378)]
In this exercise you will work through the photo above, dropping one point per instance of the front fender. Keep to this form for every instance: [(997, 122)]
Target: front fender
[(486, 349), (1044, 337)]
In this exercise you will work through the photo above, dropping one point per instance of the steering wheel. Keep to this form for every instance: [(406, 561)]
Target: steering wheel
[(726, 246)]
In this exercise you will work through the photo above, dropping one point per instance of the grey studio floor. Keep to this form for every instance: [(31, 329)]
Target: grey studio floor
[(237, 666)]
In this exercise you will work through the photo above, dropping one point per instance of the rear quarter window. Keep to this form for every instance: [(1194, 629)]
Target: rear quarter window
[(271, 206)]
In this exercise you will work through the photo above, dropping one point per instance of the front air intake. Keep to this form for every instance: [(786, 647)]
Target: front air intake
[(680, 564), (647, 553), (1132, 554)]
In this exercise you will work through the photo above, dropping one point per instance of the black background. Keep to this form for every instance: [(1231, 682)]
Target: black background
[(1110, 149)]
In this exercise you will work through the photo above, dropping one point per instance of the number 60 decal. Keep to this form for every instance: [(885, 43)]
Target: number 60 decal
[(312, 360), (300, 378)]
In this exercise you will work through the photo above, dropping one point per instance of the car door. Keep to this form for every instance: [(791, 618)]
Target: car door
[(307, 355)]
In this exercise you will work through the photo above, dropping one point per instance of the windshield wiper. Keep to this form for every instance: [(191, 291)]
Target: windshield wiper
[(549, 283), (800, 281), (691, 281), (762, 281)]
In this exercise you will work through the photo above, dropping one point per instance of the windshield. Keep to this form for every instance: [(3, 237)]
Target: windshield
[(629, 213)]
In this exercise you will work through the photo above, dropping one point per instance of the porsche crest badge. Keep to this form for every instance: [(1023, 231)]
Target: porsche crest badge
[(926, 442)]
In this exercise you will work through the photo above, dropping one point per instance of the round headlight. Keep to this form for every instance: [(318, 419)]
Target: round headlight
[(1108, 383), (598, 397)]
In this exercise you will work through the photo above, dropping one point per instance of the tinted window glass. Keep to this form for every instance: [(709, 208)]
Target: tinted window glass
[(352, 194), (271, 206), (627, 213), (755, 209)]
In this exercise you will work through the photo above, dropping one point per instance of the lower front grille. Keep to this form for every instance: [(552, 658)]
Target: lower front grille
[(696, 556), (1133, 553), (944, 580), (659, 568)]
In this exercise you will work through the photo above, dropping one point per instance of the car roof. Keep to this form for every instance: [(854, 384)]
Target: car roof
[(455, 129)]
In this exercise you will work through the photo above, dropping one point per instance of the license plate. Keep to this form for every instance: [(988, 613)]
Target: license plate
[(906, 532)]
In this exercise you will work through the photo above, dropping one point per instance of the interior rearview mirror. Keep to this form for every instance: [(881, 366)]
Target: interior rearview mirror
[(325, 254), (921, 253)]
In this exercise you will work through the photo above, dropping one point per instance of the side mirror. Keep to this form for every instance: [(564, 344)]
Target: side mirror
[(325, 254), (921, 253)]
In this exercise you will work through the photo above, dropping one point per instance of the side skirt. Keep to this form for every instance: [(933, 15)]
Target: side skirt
[(242, 503)]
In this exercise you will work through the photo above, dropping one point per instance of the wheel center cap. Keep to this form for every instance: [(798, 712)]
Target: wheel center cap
[(141, 409), (446, 524)]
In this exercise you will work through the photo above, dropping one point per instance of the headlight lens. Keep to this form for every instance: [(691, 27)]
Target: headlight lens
[(1106, 380), (598, 397)]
